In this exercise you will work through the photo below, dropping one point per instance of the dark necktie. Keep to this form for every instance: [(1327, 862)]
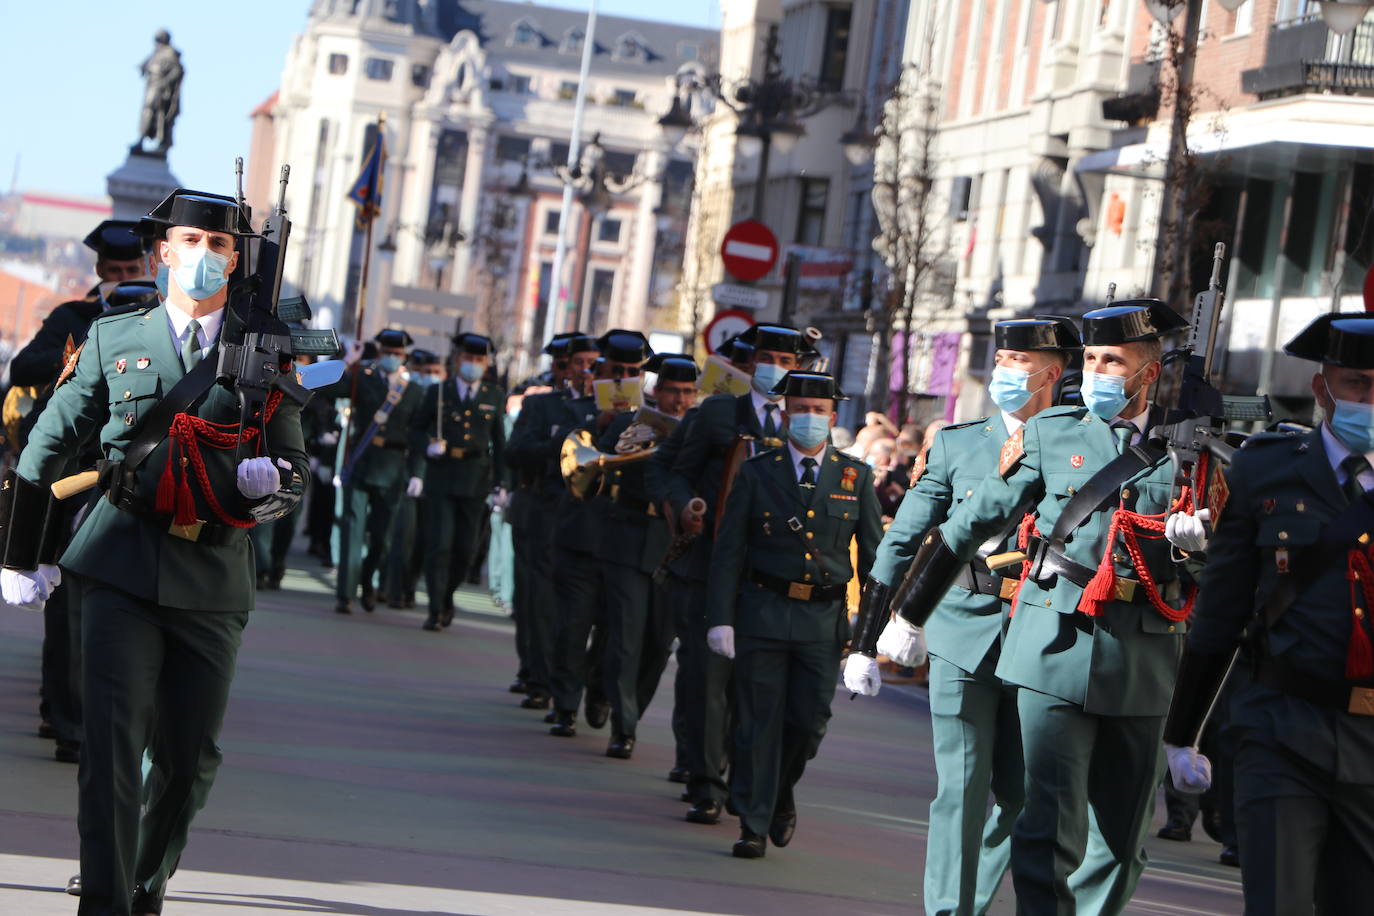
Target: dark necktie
[(1354, 466), (190, 348), (1123, 431), (808, 479), (770, 424)]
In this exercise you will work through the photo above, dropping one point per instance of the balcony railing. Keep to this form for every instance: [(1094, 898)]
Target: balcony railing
[(1303, 55)]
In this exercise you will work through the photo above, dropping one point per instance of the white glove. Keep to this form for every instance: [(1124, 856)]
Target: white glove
[(1191, 771), (258, 477), (861, 674), (329, 439), (414, 487), (354, 353), (1188, 532), (26, 589), (721, 640), (52, 573), (903, 643), (436, 449)]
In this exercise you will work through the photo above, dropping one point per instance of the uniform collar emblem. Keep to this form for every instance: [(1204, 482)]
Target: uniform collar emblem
[(121, 365), (847, 478), (144, 362), (1269, 506), (1076, 461)]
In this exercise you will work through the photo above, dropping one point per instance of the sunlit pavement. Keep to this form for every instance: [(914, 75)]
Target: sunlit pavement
[(376, 769)]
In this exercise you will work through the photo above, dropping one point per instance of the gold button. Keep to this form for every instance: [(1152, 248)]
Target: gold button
[(1283, 535), (1172, 628), (1072, 491), (967, 494), (807, 577), (1125, 492), (1119, 558), (1301, 506), (809, 535), (1049, 603), (810, 513), (808, 556), (467, 437), (467, 413), (846, 515), (766, 514), (128, 394)]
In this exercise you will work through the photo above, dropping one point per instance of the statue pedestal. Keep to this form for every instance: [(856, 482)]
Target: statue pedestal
[(139, 185)]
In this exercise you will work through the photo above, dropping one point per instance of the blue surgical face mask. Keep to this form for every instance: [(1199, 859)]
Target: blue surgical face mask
[(471, 372), (1010, 388), (1105, 395), (202, 272), (1352, 423), (808, 430), (389, 362), (766, 378), (160, 278), (423, 380)]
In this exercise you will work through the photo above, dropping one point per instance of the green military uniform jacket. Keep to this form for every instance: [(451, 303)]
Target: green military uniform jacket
[(384, 463), (1124, 662), (633, 530), (700, 451), (967, 625), (532, 449), (1278, 522), (106, 400), (475, 431), (756, 533)]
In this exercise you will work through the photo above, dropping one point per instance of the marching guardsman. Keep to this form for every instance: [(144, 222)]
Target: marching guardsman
[(374, 463), (724, 428), (406, 562), (976, 735), (1288, 577), (458, 434), (1098, 622), (163, 558), (776, 601), (533, 450), (634, 540), (579, 574)]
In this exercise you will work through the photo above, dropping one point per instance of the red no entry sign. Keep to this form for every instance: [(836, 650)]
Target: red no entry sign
[(749, 250)]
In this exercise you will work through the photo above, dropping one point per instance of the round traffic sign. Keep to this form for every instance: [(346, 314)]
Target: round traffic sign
[(725, 325), (749, 250)]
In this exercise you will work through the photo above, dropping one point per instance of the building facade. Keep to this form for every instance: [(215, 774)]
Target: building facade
[(478, 103)]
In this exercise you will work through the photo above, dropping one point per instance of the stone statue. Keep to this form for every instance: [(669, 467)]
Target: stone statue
[(161, 96)]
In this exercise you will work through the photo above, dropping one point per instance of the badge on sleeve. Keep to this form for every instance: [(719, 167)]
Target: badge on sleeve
[(1013, 450), (847, 478), (69, 362), (144, 362), (917, 469), (121, 365)]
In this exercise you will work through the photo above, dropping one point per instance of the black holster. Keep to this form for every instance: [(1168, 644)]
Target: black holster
[(31, 523), (873, 616), (1200, 678), (933, 570)]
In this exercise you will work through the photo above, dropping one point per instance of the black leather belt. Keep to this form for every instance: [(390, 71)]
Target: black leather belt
[(1356, 699), (634, 503), (379, 442), (798, 591), (210, 534), (981, 583), (1047, 562)]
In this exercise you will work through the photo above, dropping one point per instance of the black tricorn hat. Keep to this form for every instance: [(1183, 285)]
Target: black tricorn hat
[(624, 346), (130, 292), (425, 358), (803, 383), (476, 344), (1130, 320), (1043, 332), (674, 367), (1337, 339), (116, 240), (580, 343), (203, 210), (557, 347), (777, 337), (736, 350), (393, 337)]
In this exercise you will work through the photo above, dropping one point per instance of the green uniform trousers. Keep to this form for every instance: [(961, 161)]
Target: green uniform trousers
[(639, 639), (1083, 771), (60, 702), (153, 676), (580, 643), (453, 530), (707, 696), (406, 561), (272, 542), (688, 683), (977, 742), (520, 598), (783, 691), (364, 522), (542, 618)]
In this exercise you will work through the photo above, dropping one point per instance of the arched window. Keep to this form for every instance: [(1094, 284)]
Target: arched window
[(525, 34), (572, 41)]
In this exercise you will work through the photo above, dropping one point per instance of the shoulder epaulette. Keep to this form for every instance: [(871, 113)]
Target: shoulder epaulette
[(966, 424), (1270, 436), (124, 311)]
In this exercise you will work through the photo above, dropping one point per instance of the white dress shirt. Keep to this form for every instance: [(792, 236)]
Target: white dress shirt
[(798, 455), (762, 413), (1337, 451), (179, 321), (1013, 423)]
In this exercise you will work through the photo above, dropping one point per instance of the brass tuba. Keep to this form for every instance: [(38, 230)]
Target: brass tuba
[(582, 464)]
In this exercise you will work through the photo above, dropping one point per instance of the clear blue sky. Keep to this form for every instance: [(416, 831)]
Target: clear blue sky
[(69, 69)]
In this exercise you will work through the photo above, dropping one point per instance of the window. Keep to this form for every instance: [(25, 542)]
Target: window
[(619, 165), (338, 64), (392, 11), (623, 98), (496, 84), (558, 153), (519, 84), (1245, 17), (630, 47), (378, 68), (572, 41), (608, 230), (567, 90), (835, 51), (811, 218), (603, 284), (687, 50), (551, 218), (525, 33), (419, 76), (960, 194), (512, 149)]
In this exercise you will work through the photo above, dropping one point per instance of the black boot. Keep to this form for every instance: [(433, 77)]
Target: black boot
[(432, 622), (564, 724)]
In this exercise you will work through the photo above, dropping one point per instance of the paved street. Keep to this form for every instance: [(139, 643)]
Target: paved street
[(375, 769)]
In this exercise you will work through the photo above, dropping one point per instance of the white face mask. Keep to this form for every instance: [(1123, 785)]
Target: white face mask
[(202, 272)]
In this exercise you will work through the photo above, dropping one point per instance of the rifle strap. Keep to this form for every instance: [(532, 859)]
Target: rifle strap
[(158, 422), (794, 524)]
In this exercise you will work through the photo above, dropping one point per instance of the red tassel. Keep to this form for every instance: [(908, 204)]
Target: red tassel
[(1359, 655), (1102, 588), (186, 501), (166, 488)]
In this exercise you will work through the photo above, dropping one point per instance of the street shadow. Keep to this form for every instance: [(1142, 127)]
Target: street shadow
[(285, 904)]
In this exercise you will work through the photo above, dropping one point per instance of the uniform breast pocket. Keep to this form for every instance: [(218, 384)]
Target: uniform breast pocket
[(843, 515), (1064, 484), (1285, 545), (131, 397)]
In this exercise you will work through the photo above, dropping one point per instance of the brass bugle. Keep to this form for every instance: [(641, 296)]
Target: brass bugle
[(581, 462)]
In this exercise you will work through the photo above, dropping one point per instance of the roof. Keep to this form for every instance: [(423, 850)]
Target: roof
[(267, 105), (664, 44)]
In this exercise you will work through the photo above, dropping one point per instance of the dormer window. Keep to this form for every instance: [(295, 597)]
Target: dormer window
[(631, 47), (525, 34), (572, 41)]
